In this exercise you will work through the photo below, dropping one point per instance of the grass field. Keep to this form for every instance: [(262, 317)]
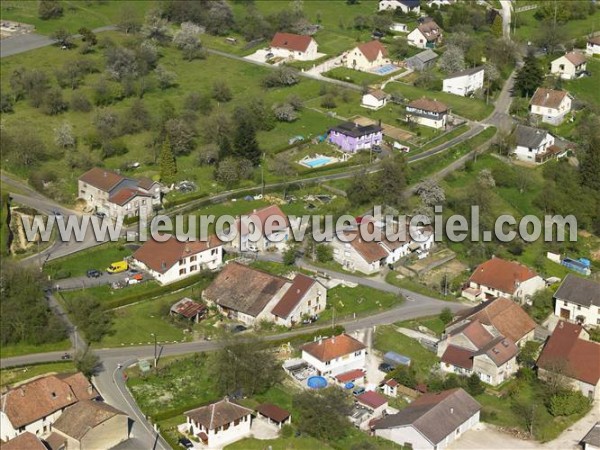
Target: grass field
[(529, 28), (354, 76), (433, 323), (358, 300), (95, 258), (587, 88), (388, 339), (17, 374), (8, 351)]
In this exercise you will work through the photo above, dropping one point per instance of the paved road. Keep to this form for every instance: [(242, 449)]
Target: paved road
[(25, 42)]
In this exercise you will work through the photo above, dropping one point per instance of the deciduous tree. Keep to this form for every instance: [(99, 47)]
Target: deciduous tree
[(168, 165)]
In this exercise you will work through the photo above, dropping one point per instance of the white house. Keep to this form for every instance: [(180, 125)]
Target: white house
[(338, 354), (294, 47), (305, 297), (429, 113), (570, 353), (432, 421), (264, 229), (398, 27), (359, 255), (465, 82), (366, 57), (569, 66), (34, 406), (172, 260), (593, 46), (534, 145), (427, 35), (118, 196), (407, 6), (390, 388), (551, 105), (578, 299), (500, 278), (374, 99), (218, 424), (251, 296)]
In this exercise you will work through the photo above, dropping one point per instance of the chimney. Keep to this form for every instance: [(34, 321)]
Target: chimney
[(547, 95), (333, 340), (163, 265), (451, 410)]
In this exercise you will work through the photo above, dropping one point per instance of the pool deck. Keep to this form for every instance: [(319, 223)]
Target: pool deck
[(395, 69)]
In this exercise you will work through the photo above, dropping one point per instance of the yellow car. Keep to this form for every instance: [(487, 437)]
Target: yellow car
[(117, 267)]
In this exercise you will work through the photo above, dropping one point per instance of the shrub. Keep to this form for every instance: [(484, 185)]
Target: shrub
[(446, 316), (567, 403)]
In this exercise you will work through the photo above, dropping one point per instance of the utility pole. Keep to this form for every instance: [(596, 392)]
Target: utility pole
[(155, 353), (333, 319), (262, 176)]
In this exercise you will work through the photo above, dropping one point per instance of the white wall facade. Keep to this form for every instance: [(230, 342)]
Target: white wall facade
[(355, 59), (350, 259), (433, 123), (308, 55), (553, 115), (464, 85), (39, 427), (565, 69), (571, 311), (417, 39), (222, 436), (592, 49), (313, 302), (346, 363), (371, 102), (392, 5), (528, 154)]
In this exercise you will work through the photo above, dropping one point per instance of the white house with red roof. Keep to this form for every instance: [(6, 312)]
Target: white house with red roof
[(335, 355), (570, 353), (294, 46), (173, 260), (304, 298), (569, 66), (262, 230), (552, 105), (117, 196), (366, 57), (593, 46), (427, 35), (501, 278)]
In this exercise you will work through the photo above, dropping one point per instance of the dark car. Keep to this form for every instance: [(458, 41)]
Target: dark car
[(65, 356), (358, 391), (100, 215), (185, 443), (378, 34), (93, 273), (238, 329), (385, 367), (376, 148)]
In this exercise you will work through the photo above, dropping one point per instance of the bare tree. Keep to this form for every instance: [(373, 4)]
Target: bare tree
[(453, 60)]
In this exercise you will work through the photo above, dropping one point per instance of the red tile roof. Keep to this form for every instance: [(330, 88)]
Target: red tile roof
[(273, 412), (25, 441), (122, 196), (565, 350), (594, 40), (161, 256), (370, 251), (548, 98), (188, 308), (371, 399), (427, 104), (391, 383), (504, 315), (372, 49), (289, 41), (39, 398), (350, 376), (477, 334), (576, 58), (218, 414), (260, 216), (296, 292), (501, 275), (332, 348), (459, 357), (102, 179)]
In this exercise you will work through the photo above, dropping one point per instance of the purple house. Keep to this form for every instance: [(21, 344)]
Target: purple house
[(351, 137)]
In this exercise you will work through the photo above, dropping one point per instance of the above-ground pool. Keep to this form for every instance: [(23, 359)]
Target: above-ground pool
[(316, 382), (388, 68)]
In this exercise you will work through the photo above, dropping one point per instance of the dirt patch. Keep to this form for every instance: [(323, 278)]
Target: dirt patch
[(451, 269)]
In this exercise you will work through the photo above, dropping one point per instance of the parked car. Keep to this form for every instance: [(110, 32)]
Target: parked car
[(185, 442), (100, 215), (238, 329), (385, 367), (137, 276), (66, 356), (269, 55), (93, 273), (376, 148), (358, 390), (378, 34)]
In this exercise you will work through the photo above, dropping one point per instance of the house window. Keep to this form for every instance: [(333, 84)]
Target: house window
[(578, 307), (327, 363), (143, 202), (213, 251), (193, 258), (597, 321), (181, 262), (182, 271), (358, 353), (309, 302), (236, 422)]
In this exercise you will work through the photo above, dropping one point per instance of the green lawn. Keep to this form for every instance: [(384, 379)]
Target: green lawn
[(353, 76), (99, 258), (76, 14), (445, 137), (413, 285), (587, 88), (433, 323), (470, 108), (17, 374), (388, 339), (529, 28), (358, 300), (8, 351)]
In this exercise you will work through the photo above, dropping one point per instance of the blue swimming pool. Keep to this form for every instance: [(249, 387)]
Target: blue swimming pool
[(318, 162), (383, 70), (316, 382)]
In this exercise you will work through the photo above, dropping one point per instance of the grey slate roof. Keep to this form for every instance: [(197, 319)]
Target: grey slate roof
[(354, 130), (434, 415), (593, 437), (465, 72), (579, 290), (529, 137), (425, 56)]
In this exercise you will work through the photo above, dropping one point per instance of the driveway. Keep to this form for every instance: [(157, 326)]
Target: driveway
[(484, 436)]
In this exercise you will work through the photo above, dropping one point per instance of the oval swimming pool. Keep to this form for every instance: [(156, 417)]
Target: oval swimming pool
[(316, 382)]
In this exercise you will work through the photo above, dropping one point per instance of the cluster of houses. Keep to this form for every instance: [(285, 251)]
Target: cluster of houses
[(59, 412)]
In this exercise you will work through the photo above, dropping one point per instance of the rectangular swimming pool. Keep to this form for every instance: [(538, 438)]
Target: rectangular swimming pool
[(386, 69), (318, 162)]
